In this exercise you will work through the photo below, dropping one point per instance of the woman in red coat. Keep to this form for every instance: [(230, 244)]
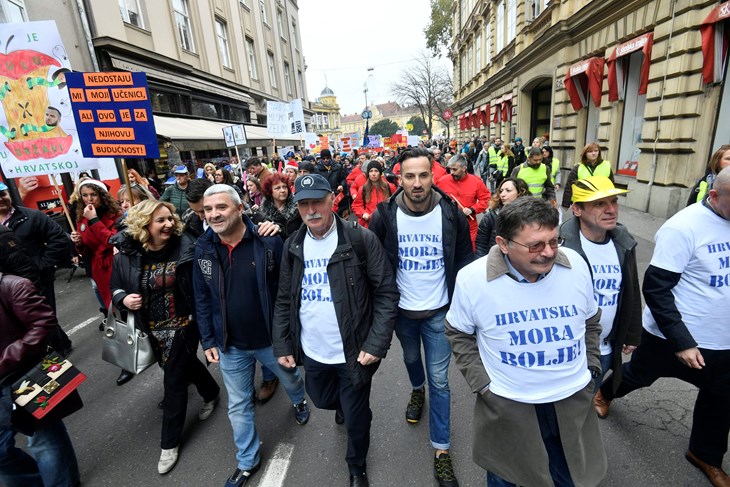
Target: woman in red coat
[(375, 190), (94, 227)]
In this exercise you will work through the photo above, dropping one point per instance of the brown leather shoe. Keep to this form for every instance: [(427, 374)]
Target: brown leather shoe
[(717, 476), (267, 390), (600, 404)]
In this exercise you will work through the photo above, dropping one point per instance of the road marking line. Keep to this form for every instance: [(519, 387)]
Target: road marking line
[(276, 468), (81, 325)]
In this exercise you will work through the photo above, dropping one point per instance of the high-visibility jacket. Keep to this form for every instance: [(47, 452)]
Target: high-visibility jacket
[(603, 169), (493, 156), (554, 168), (535, 177), (503, 164)]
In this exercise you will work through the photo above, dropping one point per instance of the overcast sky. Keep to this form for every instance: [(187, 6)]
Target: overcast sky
[(342, 39)]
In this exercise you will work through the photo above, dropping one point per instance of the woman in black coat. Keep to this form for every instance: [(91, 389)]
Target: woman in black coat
[(152, 277)]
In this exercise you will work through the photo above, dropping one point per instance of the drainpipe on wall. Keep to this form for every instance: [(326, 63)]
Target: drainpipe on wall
[(654, 164), (87, 33)]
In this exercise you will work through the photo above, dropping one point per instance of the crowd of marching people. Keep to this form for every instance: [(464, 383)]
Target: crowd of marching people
[(308, 264)]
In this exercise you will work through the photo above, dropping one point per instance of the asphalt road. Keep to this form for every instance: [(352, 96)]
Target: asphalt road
[(116, 434)]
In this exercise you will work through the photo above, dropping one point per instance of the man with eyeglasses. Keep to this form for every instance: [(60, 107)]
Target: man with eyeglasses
[(467, 190), (610, 251), (686, 333), (530, 353)]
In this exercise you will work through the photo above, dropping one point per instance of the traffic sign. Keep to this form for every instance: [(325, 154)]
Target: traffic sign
[(448, 114)]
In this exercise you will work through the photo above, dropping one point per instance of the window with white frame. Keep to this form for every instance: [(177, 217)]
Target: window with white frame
[(287, 78), (253, 72), (294, 39), (272, 70), (264, 16), (478, 51), (300, 83), (500, 26), (488, 40), (511, 20), (184, 27), (533, 8), (221, 32), (462, 69), (280, 24), (131, 12), (12, 11), (470, 62)]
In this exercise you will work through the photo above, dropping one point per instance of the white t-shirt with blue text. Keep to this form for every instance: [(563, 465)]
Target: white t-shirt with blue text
[(321, 338), (421, 276), (531, 339), (607, 280), (696, 243)]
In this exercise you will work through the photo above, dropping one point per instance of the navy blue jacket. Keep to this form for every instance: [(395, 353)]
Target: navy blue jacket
[(208, 283)]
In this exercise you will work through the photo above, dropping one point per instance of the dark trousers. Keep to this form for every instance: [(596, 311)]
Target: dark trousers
[(330, 387), (58, 338), (711, 418), (182, 368)]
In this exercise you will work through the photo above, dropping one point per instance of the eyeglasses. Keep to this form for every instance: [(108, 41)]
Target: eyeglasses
[(540, 246)]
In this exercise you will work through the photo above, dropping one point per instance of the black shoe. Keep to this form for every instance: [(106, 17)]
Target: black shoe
[(443, 470), (240, 477), (124, 377), (339, 416), (359, 480), (415, 405)]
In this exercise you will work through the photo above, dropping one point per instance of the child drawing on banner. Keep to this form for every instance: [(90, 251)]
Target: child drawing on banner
[(26, 76)]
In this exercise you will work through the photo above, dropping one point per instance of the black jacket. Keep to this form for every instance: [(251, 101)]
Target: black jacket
[(486, 233), (335, 174), (364, 293), (458, 250), (14, 259), (44, 240), (127, 274), (627, 325)]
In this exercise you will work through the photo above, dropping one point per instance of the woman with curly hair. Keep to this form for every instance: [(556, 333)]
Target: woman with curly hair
[(508, 190), (209, 170), (375, 190), (152, 279), (95, 218), (139, 193), (278, 206)]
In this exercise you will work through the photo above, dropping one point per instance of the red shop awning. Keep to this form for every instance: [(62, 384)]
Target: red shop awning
[(475, 118), (507, 109), (714, 44), (467, 120), (497, 111), (616, 68), (484, 116), (462, 122), (584, 80)]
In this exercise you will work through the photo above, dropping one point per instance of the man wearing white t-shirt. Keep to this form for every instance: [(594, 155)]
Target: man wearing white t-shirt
[(687, 323), (426, 238), (610, 251), (335, 312), (529, 353)]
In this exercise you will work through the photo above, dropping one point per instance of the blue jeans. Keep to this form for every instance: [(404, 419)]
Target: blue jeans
[(52, 460), (238, 367), (437, 352), (606, 362)]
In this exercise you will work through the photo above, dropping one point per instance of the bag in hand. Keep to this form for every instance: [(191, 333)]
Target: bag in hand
[(125, 346)]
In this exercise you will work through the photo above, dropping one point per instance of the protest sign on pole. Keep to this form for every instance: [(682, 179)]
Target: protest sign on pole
[(284, 119), (310, 141), (35, 121)]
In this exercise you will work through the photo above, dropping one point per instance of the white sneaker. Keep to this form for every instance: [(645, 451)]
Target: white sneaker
[(207, 409), (168, 459)]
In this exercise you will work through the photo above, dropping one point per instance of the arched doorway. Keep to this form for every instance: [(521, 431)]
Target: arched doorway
[(541, 101)]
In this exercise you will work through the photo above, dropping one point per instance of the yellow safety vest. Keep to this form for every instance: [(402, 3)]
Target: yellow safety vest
[(554, 167), (603, 169), (503, 165), (534, 177), (493, 157)]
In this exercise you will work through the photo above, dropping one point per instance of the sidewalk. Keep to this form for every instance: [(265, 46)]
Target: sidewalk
[(640, 224)]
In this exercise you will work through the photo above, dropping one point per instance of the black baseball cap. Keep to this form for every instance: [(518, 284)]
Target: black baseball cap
[(311, 187)]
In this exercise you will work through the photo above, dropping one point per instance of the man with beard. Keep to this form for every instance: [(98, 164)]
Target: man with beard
[(530, 359), (537, 176)]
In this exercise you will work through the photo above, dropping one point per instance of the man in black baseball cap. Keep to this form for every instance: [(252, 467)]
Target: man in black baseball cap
[(338, 341)]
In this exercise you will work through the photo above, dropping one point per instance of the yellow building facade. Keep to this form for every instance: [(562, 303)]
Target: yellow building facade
[(326, 118), (634, 76), (392, 111)]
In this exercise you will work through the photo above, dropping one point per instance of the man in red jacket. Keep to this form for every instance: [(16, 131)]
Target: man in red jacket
[(352, 179), (467, 190)]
